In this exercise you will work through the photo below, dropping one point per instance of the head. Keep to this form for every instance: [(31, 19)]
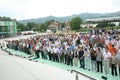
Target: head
[(98, 48), (106, 49), (75, 48), (112, 45), (85, 49), (81, 48)]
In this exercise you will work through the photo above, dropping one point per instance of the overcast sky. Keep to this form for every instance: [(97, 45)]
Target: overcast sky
[(27, 9)]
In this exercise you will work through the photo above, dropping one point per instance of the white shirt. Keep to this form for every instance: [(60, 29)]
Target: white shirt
[(23, 44), (56, 50), (37, 47), (52, 50), (106, 55), (48, 49), (87, 53)]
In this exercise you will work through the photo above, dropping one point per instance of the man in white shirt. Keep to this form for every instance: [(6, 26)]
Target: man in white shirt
[(52, 53), (37, 50), (87, 58), (56, 54), (106, 58)]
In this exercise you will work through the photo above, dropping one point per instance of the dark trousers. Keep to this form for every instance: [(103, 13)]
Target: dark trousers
[(113, 70), (66, 59), (82, 63), (16, 47), (49, 54), (27, 51), (45, 55), (42, 54), (56, 57), (37, 53), (23, 49), (119, 70), (62, 58), (71, 61), (53, 56), (99, 66)]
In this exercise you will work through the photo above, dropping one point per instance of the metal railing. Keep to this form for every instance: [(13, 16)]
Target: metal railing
[(91, 78)]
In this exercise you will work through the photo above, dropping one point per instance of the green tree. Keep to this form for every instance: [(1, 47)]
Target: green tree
[(5, 18), (62, 25), (54, 30), (21, 27), (31, 25), (42, 27), (75, 23), (48, 22)]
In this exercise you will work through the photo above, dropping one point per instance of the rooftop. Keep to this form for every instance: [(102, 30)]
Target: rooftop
[(107, 19)]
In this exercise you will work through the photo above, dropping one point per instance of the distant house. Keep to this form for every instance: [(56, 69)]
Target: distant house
[(54, 25), (67, 25), (88, 25)]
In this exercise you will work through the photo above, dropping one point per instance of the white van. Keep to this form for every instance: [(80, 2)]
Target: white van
[(48, 31)]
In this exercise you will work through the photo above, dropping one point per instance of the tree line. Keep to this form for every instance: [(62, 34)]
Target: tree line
[(75, 24)]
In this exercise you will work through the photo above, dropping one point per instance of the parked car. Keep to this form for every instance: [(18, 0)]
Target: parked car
[(19, 33)]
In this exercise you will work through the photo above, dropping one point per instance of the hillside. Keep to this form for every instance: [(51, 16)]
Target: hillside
[(84, 16)]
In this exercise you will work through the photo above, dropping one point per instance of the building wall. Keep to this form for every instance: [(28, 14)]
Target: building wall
[(8, 28), (54, 25)]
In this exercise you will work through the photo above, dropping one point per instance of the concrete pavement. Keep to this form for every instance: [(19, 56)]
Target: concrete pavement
[(16, 68)]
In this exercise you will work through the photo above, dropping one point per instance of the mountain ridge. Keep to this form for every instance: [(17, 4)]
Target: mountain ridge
[(83, 16)]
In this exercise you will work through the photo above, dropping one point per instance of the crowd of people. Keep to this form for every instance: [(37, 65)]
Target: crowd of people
[(98, 50)]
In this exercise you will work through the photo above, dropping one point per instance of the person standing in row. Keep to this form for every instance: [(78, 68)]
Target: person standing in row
[(75, 60), (31, 51), (71, 54), (36, 49), (118, 60), (68, 56), (99, 57), (93, 59), (81, 57), (113, 64), (65, 55), (56, 54), (106, 58), (61, 54), (45, 52), (52, 53), (49, 52), (87, 58)]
